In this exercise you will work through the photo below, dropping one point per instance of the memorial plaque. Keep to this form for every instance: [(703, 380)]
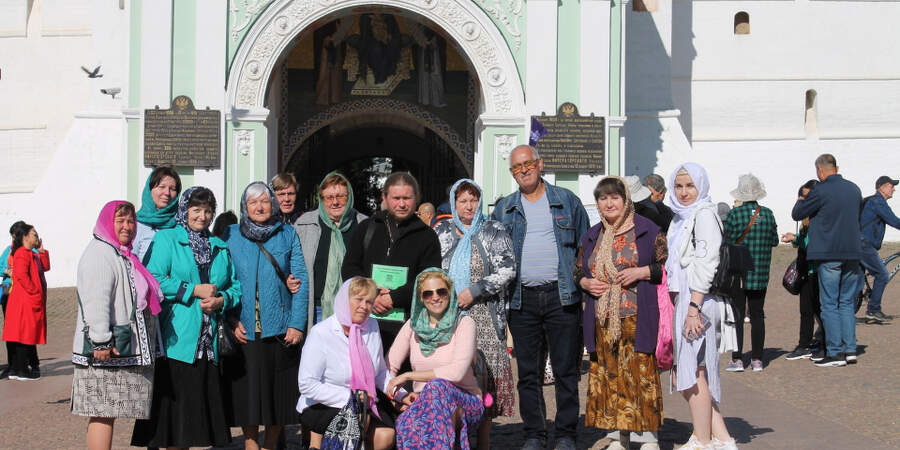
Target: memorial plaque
[(182, 136), (573, 143)]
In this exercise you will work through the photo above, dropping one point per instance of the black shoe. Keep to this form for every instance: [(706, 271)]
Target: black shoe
[(832, 361), (817, 355), (799, 353), (533, 444), (31, 375), (6, 372), (850, 358), (877, 317)]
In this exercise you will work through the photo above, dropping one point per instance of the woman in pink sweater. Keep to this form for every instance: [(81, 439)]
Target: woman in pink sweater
[(440, 345)]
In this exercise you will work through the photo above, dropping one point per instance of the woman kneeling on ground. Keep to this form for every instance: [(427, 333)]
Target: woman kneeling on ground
[(440, 345)]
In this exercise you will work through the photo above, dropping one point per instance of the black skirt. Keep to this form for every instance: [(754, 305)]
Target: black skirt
[(317, 417), (187, 408), (260, 383)]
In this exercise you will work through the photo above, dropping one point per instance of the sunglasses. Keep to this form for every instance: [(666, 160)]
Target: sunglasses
[(442, 292), (521, 167)]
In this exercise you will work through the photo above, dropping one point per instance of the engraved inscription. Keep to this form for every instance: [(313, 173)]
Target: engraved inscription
[(572, 142), (182, 136)]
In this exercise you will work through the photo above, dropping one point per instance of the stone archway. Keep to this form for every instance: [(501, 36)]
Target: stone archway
[(463, 20)]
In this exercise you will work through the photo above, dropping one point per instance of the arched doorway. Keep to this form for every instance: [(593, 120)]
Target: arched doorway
[(260, 139)]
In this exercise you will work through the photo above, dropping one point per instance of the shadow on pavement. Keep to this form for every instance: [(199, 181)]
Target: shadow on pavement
[(57, 367)]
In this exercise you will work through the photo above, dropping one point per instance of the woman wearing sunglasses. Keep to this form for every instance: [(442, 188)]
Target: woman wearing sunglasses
[(440, 345)]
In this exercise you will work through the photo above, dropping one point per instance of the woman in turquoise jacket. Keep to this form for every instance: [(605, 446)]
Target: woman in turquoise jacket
[(261, 378), (197, 278)]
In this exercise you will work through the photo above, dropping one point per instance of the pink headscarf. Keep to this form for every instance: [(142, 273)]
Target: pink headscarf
[(362, 371), (148, 292)]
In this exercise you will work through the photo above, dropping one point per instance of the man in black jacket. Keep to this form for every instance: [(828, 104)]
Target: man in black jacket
[(644, 206), (394, 237)]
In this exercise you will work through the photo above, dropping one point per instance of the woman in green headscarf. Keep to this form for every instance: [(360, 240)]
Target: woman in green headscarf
[(324, 233), (159, 203)]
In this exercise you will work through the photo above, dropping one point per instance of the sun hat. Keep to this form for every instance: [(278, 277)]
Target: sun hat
[(749, 189), (638, 190)]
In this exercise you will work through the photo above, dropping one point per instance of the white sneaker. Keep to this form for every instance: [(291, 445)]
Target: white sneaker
[(616, 445), (694, 444), (724, 445)]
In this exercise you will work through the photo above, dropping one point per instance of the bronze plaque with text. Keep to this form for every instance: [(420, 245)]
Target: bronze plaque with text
[(572, 143), (182, 136)]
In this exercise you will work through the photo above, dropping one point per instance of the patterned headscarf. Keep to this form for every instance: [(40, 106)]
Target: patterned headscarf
[(608, 303), (460, 263), (146, 286), (432, 338), (198, 240), (260, 232), (152, 217)]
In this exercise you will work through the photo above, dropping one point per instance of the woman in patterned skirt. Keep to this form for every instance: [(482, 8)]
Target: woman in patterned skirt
[(478, 255), (115, 328), (619, 265)]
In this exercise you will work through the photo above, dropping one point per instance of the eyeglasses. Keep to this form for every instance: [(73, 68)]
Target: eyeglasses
[(442, 292), (331, 198), (522, 167)]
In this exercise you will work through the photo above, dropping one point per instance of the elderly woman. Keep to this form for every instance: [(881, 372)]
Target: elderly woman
[(440, 345), (198, 282), (324, 235), (25, 323), (343, 354), (115, 330), (159, 203), (694, 239), (478, 255), (261, 377), (620, 260)]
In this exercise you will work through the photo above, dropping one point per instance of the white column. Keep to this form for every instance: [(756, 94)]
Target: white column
[(209, 86), (540, 57), (594, 57), (156, 61)]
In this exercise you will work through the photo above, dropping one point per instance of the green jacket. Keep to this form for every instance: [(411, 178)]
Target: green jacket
[(170, 259)]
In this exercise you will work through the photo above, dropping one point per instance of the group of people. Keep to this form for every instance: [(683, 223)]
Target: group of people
[(385, 331)]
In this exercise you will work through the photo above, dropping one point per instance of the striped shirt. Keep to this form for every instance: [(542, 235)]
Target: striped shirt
[(540, 259)]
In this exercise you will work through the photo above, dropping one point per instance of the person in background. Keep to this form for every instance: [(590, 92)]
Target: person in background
[(833, 207), (753, 226), (657, 186), (546, 223), (324, 234), (643, 205), (115, 328), (426, 213), (478, 255), (199, 284), (722, 209), (159, 204), (25, 325), (261, 377), (810, 309), (5, 286), (875, 215), (285, 187), (694, 235), (221, 224)]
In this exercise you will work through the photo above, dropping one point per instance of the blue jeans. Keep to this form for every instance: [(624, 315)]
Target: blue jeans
[(540, 321), (872, 262), (838, 283)]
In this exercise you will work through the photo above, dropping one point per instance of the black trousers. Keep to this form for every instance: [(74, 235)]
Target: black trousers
[(810, 312), (755, 300), (21, 357)]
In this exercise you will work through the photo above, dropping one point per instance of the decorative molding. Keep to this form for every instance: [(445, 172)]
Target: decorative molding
[(243, 12), (504, 144), (108, 114), (132, 113), (243, 141), (502, 120), (654, 113), (474, 32), (507, 12), (616, 121), (247, 115)]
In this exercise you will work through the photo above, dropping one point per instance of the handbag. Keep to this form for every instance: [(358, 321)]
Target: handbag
[(121, 336), (735, 261), (345, 430), (227, 343), (793, 280), (665, 351)]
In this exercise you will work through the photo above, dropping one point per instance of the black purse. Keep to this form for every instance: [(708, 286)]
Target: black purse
[(227, 343), (735, 261)]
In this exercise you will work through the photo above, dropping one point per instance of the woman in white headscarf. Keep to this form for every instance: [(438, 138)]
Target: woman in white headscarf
[(694, 238)]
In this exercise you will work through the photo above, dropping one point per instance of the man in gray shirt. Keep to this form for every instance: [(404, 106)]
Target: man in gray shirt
[(546, 223)]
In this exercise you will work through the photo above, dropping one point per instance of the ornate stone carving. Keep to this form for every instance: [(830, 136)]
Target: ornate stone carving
[(504, 144), (243, 141), (243, 12), (462, 19), (507, 12)]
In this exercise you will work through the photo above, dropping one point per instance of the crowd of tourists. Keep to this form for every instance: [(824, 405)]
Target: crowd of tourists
[(391, 330)]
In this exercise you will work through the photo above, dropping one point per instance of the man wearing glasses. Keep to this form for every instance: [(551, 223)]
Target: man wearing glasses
[(546, 223)]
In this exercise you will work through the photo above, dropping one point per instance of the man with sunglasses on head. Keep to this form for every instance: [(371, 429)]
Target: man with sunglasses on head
[(546, 223)]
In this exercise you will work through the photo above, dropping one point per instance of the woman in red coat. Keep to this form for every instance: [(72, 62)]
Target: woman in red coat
[(26, 312)]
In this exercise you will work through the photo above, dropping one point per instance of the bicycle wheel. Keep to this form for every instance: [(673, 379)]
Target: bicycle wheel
[(892, 264), (864, 294)]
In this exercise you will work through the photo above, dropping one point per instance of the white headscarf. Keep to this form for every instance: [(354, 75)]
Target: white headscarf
[(683, 223)]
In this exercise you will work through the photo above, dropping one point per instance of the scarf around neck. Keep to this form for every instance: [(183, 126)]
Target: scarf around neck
[(151, 216), (336, 249), (260, 232), (198, 240), (362, 370), (145, 284), (461, 262), (608, 303), (432, 338)]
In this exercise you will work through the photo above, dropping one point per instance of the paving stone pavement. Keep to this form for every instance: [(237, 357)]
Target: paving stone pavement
[(790, 405)]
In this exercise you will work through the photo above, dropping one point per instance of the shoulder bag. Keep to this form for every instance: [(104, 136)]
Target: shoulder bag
[(734, 263)]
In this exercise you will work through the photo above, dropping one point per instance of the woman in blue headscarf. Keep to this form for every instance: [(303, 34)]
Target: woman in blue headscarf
[(159, 203), (478, 255)]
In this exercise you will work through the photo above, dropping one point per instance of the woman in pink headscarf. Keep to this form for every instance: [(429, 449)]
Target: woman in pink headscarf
[(115, 328), (343, 354)]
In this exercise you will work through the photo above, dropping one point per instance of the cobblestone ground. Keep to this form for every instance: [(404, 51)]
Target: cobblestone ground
[(792, 404)]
